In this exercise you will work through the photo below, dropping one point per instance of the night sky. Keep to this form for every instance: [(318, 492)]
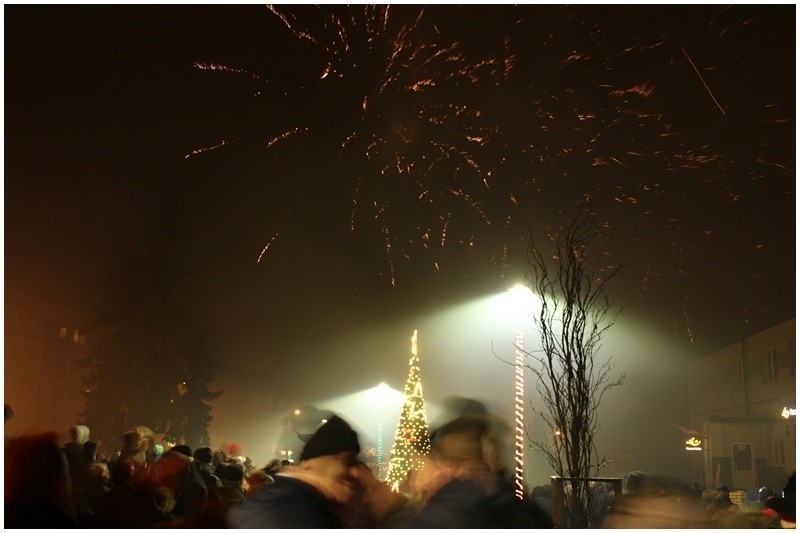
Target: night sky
[(352, 173)]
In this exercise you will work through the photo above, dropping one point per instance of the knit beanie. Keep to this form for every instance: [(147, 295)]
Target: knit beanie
[(332, 437), (204, 454)]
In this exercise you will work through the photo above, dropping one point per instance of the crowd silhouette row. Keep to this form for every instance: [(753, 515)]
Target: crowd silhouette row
[(461, 486)]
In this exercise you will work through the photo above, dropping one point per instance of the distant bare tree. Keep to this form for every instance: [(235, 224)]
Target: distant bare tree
[(575, 314)]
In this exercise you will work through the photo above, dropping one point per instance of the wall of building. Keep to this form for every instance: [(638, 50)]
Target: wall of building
[(736, 397), (41, 342)]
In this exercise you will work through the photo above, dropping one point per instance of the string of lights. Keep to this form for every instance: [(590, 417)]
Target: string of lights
[(412, 440)]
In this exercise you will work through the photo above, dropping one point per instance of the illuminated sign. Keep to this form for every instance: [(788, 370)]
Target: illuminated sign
[(786, 413), (694, 444)]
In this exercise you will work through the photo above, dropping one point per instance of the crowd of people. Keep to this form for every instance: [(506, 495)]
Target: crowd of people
[(462, 485), (53, 486)]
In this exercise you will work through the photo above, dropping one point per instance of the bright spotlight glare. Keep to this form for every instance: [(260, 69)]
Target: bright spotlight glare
[(382, 393), (515, 305)]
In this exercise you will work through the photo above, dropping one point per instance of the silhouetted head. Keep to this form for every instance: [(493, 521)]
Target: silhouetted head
[(785, 505), (231, 474), (36, 469), (329, 459), (203, 454), (333, 437), (182, 449), (90, 451)]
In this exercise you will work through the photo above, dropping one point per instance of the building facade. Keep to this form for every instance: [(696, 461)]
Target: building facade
[(742, 401), (42, 384)]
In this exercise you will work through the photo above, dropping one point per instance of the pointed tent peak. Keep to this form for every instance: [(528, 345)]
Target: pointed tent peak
[(688, 431)]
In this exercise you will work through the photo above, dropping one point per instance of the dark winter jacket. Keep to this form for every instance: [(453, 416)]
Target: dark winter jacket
[(206, 471), (289, 503), (36, 515), (464, 504)]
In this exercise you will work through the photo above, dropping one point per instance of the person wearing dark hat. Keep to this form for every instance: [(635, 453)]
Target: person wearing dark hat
[(311, 493), (232, 475)]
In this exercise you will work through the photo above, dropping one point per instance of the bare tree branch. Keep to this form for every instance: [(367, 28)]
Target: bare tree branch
[(575, 314)]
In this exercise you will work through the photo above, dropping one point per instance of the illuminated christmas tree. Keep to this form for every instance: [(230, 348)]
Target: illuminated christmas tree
[(412, 442)]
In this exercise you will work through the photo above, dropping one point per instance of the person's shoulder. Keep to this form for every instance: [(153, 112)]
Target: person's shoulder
[(289, 503), (514, 512), (39, 515)]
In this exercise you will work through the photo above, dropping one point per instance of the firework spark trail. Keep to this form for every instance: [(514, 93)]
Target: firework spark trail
[(687, 321), (266, 246), (763, 161), (388, 244), (285, 134), (274, 236), (208, 148), (642, 89), (474, 204), (223, 68), (704, 81), (283, 18), (352, 225)]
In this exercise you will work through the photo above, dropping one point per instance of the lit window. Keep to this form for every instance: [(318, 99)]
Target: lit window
[(62, 333)]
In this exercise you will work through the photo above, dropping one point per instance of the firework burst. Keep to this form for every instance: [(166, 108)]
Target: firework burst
[(397, 106), (448, 127)]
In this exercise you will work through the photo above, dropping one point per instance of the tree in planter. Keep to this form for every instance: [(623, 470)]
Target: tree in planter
[(575, 313)]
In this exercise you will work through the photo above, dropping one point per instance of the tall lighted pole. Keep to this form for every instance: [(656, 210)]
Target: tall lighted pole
[(381, 395), (520, 304)]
